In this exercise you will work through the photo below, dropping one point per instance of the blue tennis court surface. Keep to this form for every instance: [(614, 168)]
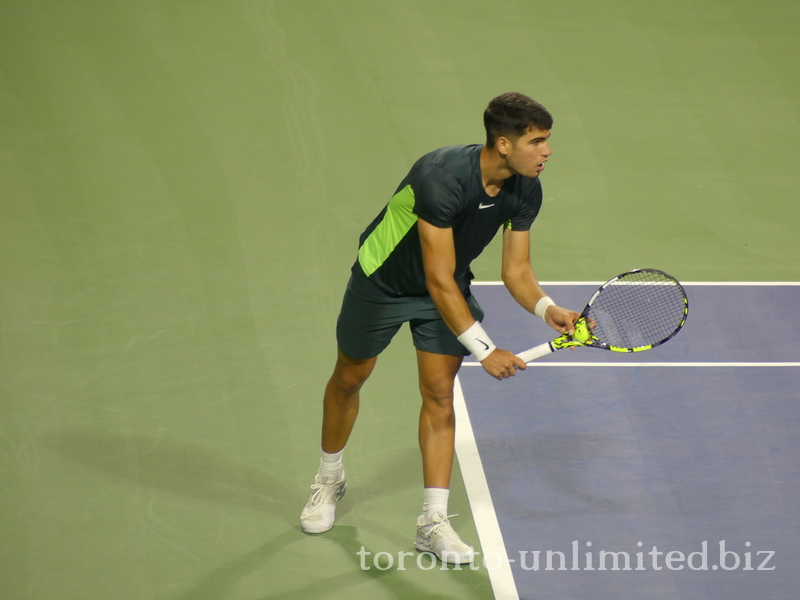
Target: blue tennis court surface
[(585, 460)]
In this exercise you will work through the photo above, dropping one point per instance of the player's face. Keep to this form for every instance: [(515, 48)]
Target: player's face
[(526, 156)]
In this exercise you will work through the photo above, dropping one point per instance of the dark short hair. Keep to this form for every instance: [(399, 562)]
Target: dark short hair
[(511, 115)]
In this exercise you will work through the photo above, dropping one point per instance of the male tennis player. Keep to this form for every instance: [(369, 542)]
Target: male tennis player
[(414, 266)]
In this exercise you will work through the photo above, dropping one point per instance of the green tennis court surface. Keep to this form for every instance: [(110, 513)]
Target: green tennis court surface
[(182, 185)]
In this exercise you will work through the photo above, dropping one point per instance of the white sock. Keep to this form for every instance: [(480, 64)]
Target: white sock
[(434, 501), (330, 465)]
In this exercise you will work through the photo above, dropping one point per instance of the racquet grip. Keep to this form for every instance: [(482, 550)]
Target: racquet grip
[(536, 352)]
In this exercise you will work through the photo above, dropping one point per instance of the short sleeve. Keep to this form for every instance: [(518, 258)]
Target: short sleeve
[(437, 196), (529, 205)]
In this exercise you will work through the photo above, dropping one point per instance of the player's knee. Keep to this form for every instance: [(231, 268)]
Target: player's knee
[(348, 377), (438, 395), (344, 389), (346, 384)]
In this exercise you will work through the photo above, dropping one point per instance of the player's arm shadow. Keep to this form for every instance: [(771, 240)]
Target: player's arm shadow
[(177, 467)]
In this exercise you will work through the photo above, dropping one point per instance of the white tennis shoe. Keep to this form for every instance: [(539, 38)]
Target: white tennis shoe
[(439, 537), (320, 510)]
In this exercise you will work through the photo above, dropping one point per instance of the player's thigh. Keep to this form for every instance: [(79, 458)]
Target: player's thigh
[(437, 373)]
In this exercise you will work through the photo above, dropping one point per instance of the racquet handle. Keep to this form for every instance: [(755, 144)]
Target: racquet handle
[(536, 352)]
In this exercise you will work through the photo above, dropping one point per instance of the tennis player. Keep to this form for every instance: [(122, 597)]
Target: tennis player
[(414, 266)]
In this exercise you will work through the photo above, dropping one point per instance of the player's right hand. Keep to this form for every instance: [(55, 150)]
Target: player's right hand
[(502, 364)]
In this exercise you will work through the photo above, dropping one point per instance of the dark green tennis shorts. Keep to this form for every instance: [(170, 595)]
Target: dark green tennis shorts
[(369, 319)]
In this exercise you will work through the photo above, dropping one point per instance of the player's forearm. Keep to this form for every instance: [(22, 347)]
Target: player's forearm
[(451, 304), (523, 286)]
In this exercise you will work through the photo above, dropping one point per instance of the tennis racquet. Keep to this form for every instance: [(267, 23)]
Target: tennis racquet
[(632, 312)]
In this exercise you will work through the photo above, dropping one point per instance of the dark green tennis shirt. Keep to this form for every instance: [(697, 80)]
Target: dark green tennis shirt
[(445, 189)]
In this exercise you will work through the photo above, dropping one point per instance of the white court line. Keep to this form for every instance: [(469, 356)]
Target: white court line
[(652, 364), (480, 500), (684, 283)]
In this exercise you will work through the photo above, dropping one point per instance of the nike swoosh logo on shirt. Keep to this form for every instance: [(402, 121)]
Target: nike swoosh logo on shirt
[(482, 205)]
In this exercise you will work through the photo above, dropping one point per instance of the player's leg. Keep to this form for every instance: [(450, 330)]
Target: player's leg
[(340, 409), (437, 427), (341, 400), (439, 356), (437, 419), (367, 322)]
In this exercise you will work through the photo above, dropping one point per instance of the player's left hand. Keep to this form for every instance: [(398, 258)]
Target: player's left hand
[(561, 319)]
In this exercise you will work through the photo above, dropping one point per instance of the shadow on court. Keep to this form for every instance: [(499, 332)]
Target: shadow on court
[(222, 581), (177, 467), (193, 471)]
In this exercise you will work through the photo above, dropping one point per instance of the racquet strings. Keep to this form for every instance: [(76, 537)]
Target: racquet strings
[(642, 308)]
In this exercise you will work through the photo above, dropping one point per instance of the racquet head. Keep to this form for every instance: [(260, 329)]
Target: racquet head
[(636, 311)]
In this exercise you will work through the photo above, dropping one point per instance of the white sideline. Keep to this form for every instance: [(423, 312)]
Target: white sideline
[(480, 500)]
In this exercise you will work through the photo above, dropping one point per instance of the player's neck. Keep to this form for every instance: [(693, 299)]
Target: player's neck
[(494, 171)]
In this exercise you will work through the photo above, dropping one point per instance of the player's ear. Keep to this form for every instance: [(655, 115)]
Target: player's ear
[(502, 144)]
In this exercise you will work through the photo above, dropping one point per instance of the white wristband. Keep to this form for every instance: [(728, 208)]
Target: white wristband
[(477, 342), (542, 305)]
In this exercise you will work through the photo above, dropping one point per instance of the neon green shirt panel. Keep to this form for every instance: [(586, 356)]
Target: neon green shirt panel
[(396, 223)]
